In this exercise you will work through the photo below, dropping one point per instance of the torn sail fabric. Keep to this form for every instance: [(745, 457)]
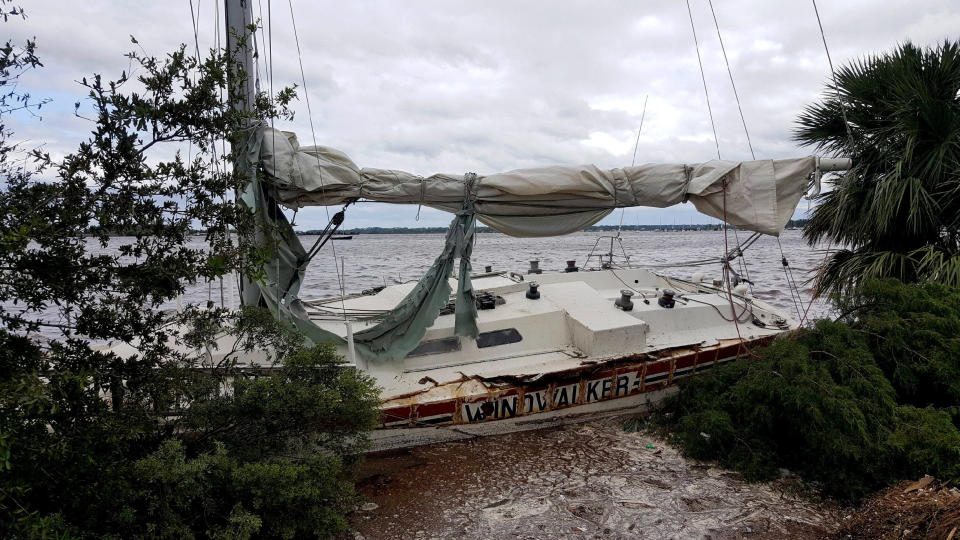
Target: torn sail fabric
[(283, 275), (401, 330)]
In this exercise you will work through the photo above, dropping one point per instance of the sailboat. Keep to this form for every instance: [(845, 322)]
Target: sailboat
[(459, 354), (484, 353)]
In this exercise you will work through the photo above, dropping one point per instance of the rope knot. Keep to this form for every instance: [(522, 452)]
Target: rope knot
[(688, 177)]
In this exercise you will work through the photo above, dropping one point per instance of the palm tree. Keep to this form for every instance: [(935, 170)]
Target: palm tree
[(896, 213)]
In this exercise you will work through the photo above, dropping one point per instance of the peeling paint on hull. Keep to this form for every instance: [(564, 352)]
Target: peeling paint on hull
[(513, 403)]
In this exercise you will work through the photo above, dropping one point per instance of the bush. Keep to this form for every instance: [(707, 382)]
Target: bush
[(156, 441), (924, 441), (271, 459), (836, 402), (913, 332)]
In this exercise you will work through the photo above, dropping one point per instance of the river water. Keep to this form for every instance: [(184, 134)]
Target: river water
[(384, 259), (372, 260)]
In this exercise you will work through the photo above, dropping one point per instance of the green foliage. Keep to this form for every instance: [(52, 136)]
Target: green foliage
[(895, 214), (228, 479), (817, 405), (835, 403), (913, 333), (924, 441), (155, 441), (270, 458)]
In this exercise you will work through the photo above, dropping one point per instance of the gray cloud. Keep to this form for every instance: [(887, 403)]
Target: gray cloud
[(438, 86)]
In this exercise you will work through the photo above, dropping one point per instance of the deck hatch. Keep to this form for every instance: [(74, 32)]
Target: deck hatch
[(436, 346), (498, 337)]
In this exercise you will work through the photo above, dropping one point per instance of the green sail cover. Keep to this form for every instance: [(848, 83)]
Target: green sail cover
[(284, 274), (401, 329)]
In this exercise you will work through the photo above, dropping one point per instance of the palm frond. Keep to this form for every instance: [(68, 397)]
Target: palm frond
[(937, 265), (898, 211)]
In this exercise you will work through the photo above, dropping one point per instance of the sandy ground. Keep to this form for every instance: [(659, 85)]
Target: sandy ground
[(588, 481)]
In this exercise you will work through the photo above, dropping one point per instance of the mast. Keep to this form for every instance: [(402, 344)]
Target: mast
[(241, 90)]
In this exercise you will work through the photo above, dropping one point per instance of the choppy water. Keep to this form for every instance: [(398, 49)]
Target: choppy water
[(371, 260)]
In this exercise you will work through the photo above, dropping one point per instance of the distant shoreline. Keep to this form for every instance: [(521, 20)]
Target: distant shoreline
[(792, 224), (596, 228)]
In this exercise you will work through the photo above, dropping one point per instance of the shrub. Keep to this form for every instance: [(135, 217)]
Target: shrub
[(913, 332), (147, 442), (817, 404), (271, 459), (838, 403)]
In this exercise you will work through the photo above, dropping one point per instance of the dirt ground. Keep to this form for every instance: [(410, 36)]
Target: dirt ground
[(587, 481), (924, 508)]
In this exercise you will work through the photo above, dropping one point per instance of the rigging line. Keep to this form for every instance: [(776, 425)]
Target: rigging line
[(833, 73), (726, 270), (195, 18), (234, 278), (196, 42), (254, 39), (790, 282), (313, 134), (703, 77), (743, 120), (267, 60), (636, 145), (742, 260), (747, 308), (732, 84), (273, 132), (846, 125)]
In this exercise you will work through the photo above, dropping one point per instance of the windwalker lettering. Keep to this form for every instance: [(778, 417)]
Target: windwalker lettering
[(540, 400)]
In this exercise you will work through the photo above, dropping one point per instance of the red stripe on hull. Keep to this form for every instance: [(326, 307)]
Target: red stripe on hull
[(612, 379)]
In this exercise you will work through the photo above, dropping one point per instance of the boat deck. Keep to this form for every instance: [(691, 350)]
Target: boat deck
[(573, 323)]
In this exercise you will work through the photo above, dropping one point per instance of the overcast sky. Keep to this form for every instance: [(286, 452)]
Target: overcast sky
[(487, 86)]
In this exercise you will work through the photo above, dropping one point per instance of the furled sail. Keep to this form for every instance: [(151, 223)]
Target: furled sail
[(758, 195)]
